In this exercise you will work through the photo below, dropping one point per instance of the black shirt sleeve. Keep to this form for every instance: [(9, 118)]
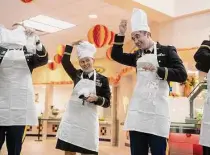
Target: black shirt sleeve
[(104, 94), (40, 58), (118, 55), (175, 71), (66, 63), (202, 55)]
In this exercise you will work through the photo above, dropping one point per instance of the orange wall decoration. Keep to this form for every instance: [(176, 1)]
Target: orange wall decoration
[(57, 58), (60, 49), (52, 65), (111, 37), (26, 1), (108, 53), (99, 35)]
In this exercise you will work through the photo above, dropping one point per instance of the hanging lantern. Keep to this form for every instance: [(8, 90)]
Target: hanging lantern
[(57, 58), (52, 65), (60, 50), (111, 38), (26, 1), (108, 53), (98, 35)]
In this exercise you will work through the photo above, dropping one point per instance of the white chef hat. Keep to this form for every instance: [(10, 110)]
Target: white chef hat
[(139, 21), (85, 49)]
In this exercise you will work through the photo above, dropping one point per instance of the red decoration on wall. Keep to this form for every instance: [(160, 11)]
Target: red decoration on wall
[(26, 1), (98, 35), (52, 65), (57, 58), (111, 37), (108, 53)]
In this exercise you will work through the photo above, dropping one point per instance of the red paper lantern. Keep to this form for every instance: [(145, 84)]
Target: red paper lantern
[(52, 65), (26, 1), (108, 53), (111, 37), (60, 50), (57, 58), (98, 35)]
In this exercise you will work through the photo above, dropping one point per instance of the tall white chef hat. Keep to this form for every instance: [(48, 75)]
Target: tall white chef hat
[(85, 49), (139, 21)]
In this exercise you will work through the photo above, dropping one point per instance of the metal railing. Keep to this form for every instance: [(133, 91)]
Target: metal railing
[(195, 92)]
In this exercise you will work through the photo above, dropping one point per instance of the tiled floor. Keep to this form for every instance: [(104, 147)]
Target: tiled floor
[(47, 147)]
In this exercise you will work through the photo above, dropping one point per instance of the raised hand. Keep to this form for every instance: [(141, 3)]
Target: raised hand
[(123, 27)]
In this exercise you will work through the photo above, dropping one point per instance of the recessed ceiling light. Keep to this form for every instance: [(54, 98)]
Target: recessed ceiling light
[(93, 16), (47, 24)]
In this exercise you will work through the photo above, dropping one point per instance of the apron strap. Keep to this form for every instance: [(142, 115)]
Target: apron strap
[(155, 48)]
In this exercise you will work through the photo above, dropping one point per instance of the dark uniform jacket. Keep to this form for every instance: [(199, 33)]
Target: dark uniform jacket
[(33, 60), (202, 57), (170, 67), (102, 83)]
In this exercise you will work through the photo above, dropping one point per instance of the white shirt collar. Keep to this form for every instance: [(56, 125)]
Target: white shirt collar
[(90, 74), (152, 47)]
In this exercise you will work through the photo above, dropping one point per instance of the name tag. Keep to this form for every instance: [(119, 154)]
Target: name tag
[(29, 54), (161, 55), (98, 83)]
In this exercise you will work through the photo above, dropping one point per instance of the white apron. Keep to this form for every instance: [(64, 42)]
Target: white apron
[(16, 91), (148, 109), (79, 125), (205, 125)]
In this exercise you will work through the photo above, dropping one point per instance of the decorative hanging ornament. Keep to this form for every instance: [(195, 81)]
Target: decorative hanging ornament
[(26, 1), (111, 37), (108, 53), (60, 49), (58, 58), (52, 65), (99, 35)]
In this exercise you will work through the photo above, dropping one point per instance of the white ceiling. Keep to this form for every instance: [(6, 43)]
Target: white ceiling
[(109, 13), (177, 8), (73, 11)]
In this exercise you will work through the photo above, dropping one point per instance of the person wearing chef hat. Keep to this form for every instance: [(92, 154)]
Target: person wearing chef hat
[(79, 128), (147, 118), (17, 108), (202, 59)]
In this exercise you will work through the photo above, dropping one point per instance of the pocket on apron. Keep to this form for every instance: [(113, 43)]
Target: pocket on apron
[(4, 99), (71, 133), (18, 116), (4, 116), (19, 98)]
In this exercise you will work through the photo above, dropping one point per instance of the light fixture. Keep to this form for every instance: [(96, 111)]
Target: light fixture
[(93, 16), (47, 24)]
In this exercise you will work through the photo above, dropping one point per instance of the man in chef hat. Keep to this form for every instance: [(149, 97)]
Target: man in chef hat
[(148, 120), (79, 128)]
